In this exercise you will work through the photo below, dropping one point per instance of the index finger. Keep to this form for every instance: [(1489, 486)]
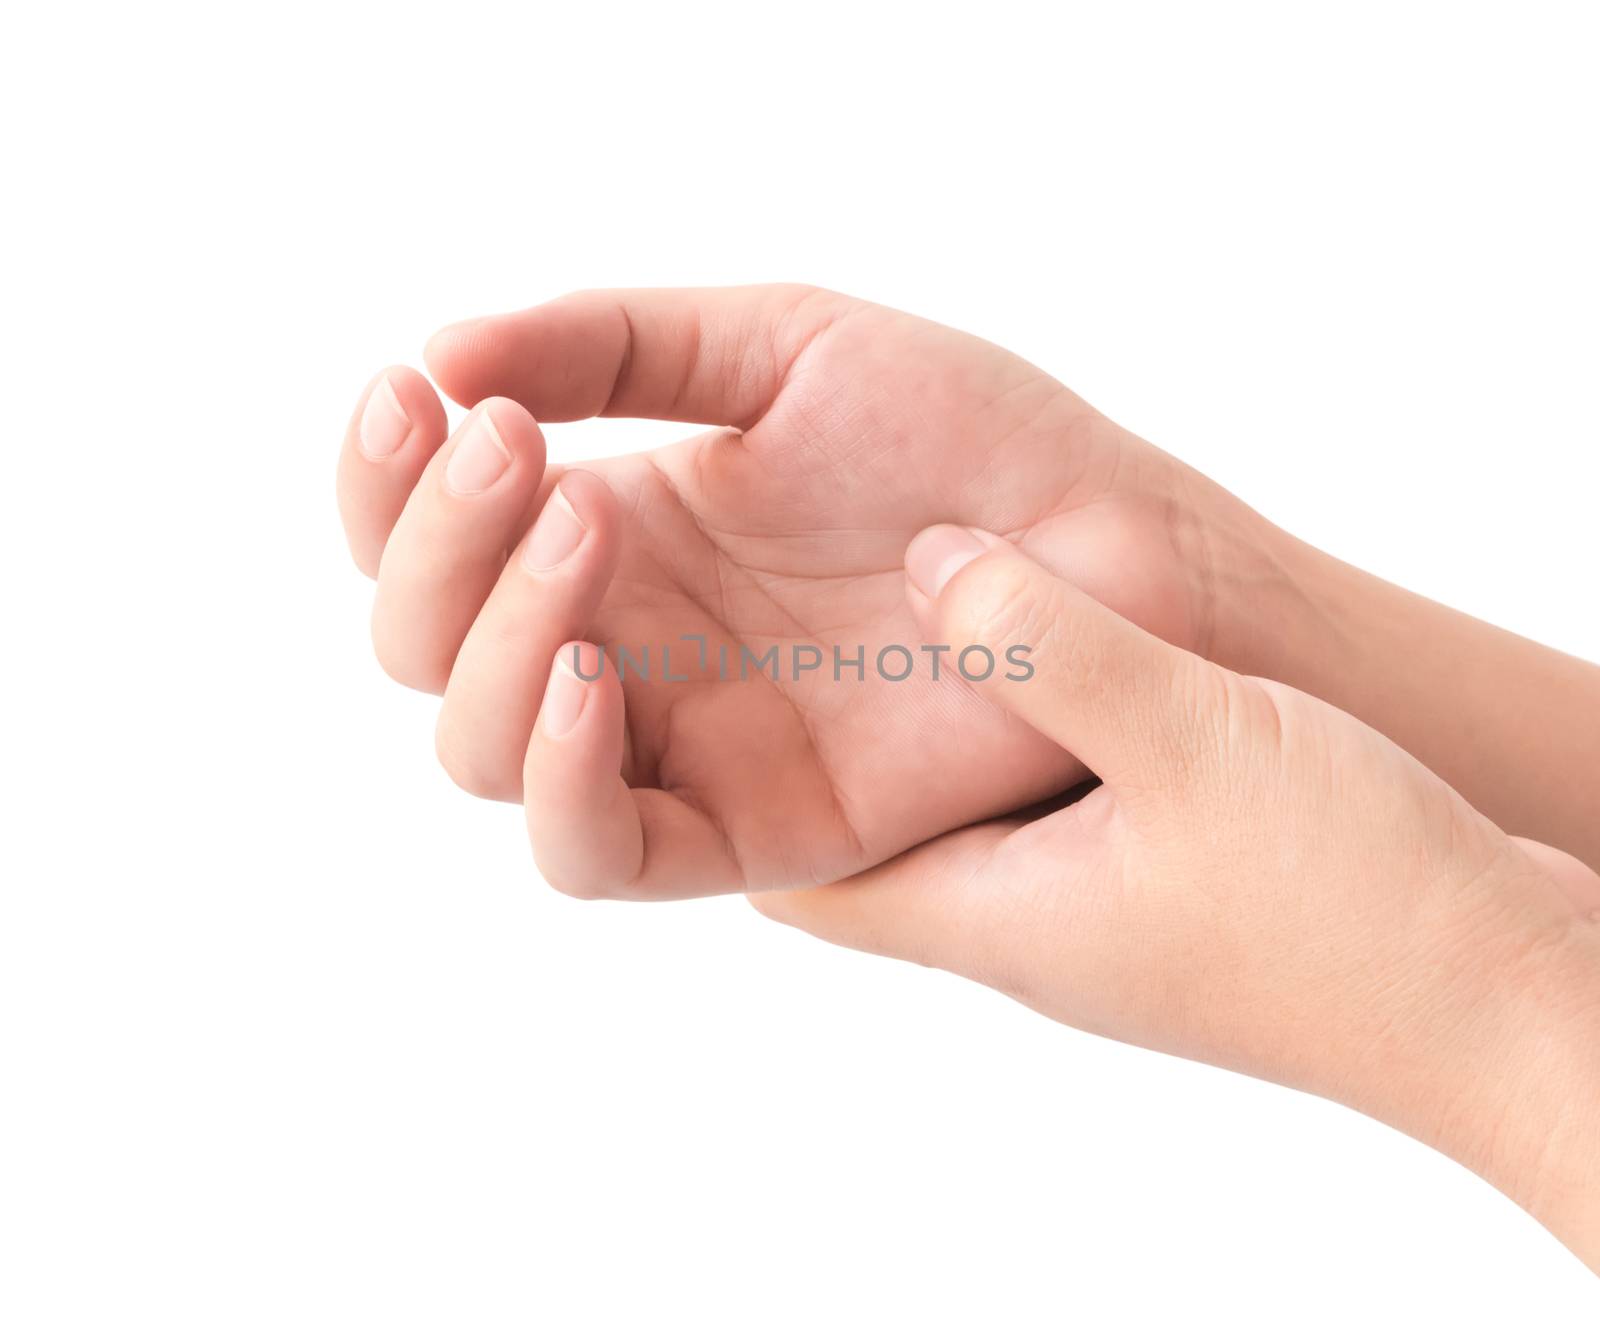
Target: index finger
[(713, 356)]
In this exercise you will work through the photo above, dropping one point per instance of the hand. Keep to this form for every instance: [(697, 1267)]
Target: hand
[(849, 426), (1262, 883)]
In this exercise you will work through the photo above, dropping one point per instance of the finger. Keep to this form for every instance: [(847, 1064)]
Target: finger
[(921, 906), (450, 543), (592, 836), (396, 427), (1131, 706), (717, 356), (969, 901), (548, 591)]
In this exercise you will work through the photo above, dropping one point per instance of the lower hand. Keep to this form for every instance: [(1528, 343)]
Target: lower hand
[(1260, 882)]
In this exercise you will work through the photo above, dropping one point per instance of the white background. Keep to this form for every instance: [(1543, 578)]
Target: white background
[(289, 1025)]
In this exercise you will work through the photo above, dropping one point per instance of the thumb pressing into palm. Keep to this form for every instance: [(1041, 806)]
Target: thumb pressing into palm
[(1138, 711)]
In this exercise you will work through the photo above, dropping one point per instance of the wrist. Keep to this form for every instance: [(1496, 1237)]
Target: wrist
[(1282, 609), (1274, 606), (1538, 1136), (1509, 1077), (1502, 1069), (1491, 713)]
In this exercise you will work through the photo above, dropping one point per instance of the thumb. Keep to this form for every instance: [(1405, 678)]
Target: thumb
[(1133, 708)]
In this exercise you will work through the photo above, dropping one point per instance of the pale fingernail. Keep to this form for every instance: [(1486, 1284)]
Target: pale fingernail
[(938, 554), (384, 423), (556, 534), (480, 457), (566, 692)]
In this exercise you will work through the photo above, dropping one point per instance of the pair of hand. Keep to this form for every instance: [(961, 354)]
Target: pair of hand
[(1262, 881)]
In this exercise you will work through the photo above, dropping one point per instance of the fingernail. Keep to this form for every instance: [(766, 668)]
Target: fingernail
[(938, 554), (384, 423), (565, 692), (556, 534), (480, 457)]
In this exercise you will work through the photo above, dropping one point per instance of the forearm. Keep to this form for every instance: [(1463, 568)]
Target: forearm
[(1512, 725)]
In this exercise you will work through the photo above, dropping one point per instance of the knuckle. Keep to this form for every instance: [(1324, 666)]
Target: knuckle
[(800, 295), (1217, 731), (467, 765), (402, 660), (578, 884), (1214, 713), (366, 560), (403, 666)]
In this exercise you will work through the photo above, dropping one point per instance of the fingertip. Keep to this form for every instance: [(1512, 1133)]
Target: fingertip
[(396, 427), (398, 415), (445, 354), (939, 552), (582, 823), (578, 667), (934, 559), (579, 512), (417, 396), (443, 341), (590, 497), (514, 424), (581, 721), (462, 357)]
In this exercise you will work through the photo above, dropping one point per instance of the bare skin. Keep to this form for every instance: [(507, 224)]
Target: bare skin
[(1262, 883), (845, 428)]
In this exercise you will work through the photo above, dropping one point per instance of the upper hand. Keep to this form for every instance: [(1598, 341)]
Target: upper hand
[(844, 427)]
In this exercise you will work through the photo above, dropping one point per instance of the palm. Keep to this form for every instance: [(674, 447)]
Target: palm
[(793, 533)]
